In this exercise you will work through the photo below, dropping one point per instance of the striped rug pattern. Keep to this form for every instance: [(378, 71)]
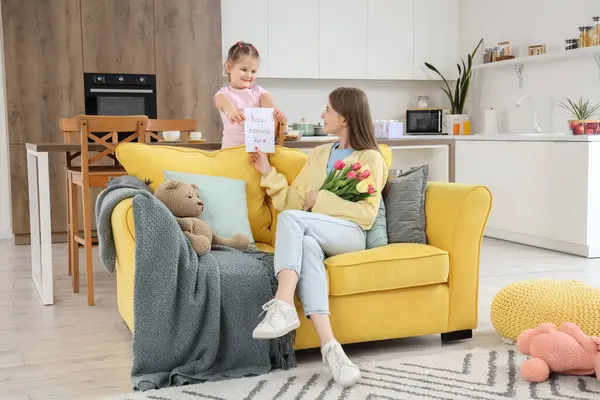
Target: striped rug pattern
[(474, 374)]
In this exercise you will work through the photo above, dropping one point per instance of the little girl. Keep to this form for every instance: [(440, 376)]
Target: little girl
[(241, 66)]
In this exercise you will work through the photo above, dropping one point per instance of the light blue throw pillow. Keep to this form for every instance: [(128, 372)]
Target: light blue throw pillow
[(225, 207), (377, 235)]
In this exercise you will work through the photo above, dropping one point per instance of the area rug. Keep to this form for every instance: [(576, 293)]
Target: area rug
[(481, 374)]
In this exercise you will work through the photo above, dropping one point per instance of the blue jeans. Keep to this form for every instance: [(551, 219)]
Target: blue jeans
[(303, 240)]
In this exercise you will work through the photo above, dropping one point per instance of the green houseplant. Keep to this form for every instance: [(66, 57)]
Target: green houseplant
[(459, 95), (582, 113)]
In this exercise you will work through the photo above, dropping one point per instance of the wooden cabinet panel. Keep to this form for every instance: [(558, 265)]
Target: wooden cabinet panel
[(44, 82), (118, 36), (43, 67), (188, 61)]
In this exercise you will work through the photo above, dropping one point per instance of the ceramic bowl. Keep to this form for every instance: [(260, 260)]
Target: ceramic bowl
[(171, 135), (196, 135)]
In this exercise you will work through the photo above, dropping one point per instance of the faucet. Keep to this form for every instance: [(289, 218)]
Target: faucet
[(536, 126)]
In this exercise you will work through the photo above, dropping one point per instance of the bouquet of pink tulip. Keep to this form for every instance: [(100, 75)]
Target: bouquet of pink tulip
[(351, 182)]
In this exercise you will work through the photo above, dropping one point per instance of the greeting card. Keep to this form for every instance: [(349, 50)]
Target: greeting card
[(259, 129)]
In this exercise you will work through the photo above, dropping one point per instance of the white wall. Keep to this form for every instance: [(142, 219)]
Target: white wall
[(307, 98), (5, 212), (525, 23)]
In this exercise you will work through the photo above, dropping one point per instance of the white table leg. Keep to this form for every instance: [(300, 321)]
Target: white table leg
[(40, 225)]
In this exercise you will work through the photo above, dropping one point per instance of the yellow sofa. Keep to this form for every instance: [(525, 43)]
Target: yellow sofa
[(394, 291)]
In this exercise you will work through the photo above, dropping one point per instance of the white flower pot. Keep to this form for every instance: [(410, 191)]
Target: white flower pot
[(459, 119)]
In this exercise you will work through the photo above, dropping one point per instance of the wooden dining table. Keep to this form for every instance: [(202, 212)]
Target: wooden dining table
[(38, 171)]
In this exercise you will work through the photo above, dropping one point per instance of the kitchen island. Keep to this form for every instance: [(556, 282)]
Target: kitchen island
[(546, 188)]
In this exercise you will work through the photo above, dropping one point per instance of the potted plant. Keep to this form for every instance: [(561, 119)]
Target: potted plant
[(459, 95), (582, 113)]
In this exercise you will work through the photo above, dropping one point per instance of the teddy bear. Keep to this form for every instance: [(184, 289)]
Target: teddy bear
[(566, 350), (184, 202)]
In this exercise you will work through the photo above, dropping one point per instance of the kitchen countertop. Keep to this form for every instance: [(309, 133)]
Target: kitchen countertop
[(313, 141), (307, 142), (530, 137)]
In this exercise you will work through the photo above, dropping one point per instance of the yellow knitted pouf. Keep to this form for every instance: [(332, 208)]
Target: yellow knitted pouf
[(525, 305)]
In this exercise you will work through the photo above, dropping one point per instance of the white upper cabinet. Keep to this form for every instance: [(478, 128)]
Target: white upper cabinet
[(436, 38), (242, 21), (390, 39), (294, 38), (342, 39), (346, 39)]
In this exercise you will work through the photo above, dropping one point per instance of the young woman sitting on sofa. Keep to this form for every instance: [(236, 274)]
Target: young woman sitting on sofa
[(316, 224)]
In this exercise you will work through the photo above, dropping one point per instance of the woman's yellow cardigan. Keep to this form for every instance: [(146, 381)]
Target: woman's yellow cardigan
[(312, 176)]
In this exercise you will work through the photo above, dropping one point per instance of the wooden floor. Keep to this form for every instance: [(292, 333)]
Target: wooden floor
[(72, 351)]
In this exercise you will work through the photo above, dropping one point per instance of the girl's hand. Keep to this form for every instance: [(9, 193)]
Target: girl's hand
[(278, 115), (260, 161), (310, 199), (235, 116)]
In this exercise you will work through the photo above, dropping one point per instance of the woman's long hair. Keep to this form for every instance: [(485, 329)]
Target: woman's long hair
[(353, 105)]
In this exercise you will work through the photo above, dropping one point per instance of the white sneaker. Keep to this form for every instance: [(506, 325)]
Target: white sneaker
[(281, 319), (343, 370)]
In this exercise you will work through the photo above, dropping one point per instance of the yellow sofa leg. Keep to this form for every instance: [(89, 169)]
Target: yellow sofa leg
[(457, 335)]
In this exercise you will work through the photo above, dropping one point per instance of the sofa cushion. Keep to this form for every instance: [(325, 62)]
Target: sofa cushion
[(225, 208), (377, 235), (405, 207), (395, 266), (149, 161)]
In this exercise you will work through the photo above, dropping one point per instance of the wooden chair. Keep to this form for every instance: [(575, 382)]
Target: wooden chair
[(102, 131), (156, 127), (280, 132)]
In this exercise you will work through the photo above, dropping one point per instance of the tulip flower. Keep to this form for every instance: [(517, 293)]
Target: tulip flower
[(339, 165)]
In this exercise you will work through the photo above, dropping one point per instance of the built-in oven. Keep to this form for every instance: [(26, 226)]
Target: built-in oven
[(120, 94), (426, 121)]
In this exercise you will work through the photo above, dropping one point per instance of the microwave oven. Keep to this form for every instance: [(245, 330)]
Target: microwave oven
[(426, 121)]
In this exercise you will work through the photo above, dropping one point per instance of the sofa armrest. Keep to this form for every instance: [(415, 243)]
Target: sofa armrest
[(456, 215), (123, 230)]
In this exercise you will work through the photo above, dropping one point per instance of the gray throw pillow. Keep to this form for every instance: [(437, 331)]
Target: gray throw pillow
[(377, 235), (405, 206)]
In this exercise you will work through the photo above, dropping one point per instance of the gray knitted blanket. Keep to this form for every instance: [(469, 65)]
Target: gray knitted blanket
[(193, 316)]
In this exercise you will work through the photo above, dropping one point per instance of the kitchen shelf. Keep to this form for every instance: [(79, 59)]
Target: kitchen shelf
[(519, 63)]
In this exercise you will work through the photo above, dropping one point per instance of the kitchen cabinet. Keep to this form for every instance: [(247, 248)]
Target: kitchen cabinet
[(49, 43), (342, 39), (546, 192), (436, 38), (247, 22), (390, 39), (347, 39), (188, 32), (131, 24), (294, 39)]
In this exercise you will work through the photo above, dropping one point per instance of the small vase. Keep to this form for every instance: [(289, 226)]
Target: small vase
[(458, 124)]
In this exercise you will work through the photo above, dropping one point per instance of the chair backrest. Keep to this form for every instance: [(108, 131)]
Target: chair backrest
[(107, 131), (156, 127), (70, 131), (280, 132)]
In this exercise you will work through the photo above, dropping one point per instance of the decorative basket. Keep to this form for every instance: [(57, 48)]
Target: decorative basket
[(589, 127)]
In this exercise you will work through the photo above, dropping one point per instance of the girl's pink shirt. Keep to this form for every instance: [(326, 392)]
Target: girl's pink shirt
[(233, 134)]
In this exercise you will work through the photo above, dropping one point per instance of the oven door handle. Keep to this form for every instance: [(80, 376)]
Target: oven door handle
[(101, 90), (440, 116)]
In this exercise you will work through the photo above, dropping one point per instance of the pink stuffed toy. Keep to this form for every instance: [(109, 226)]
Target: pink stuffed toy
[(567, 350)]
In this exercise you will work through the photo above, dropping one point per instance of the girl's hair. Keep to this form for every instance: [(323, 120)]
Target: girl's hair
[(353, 105), (241, 49)]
